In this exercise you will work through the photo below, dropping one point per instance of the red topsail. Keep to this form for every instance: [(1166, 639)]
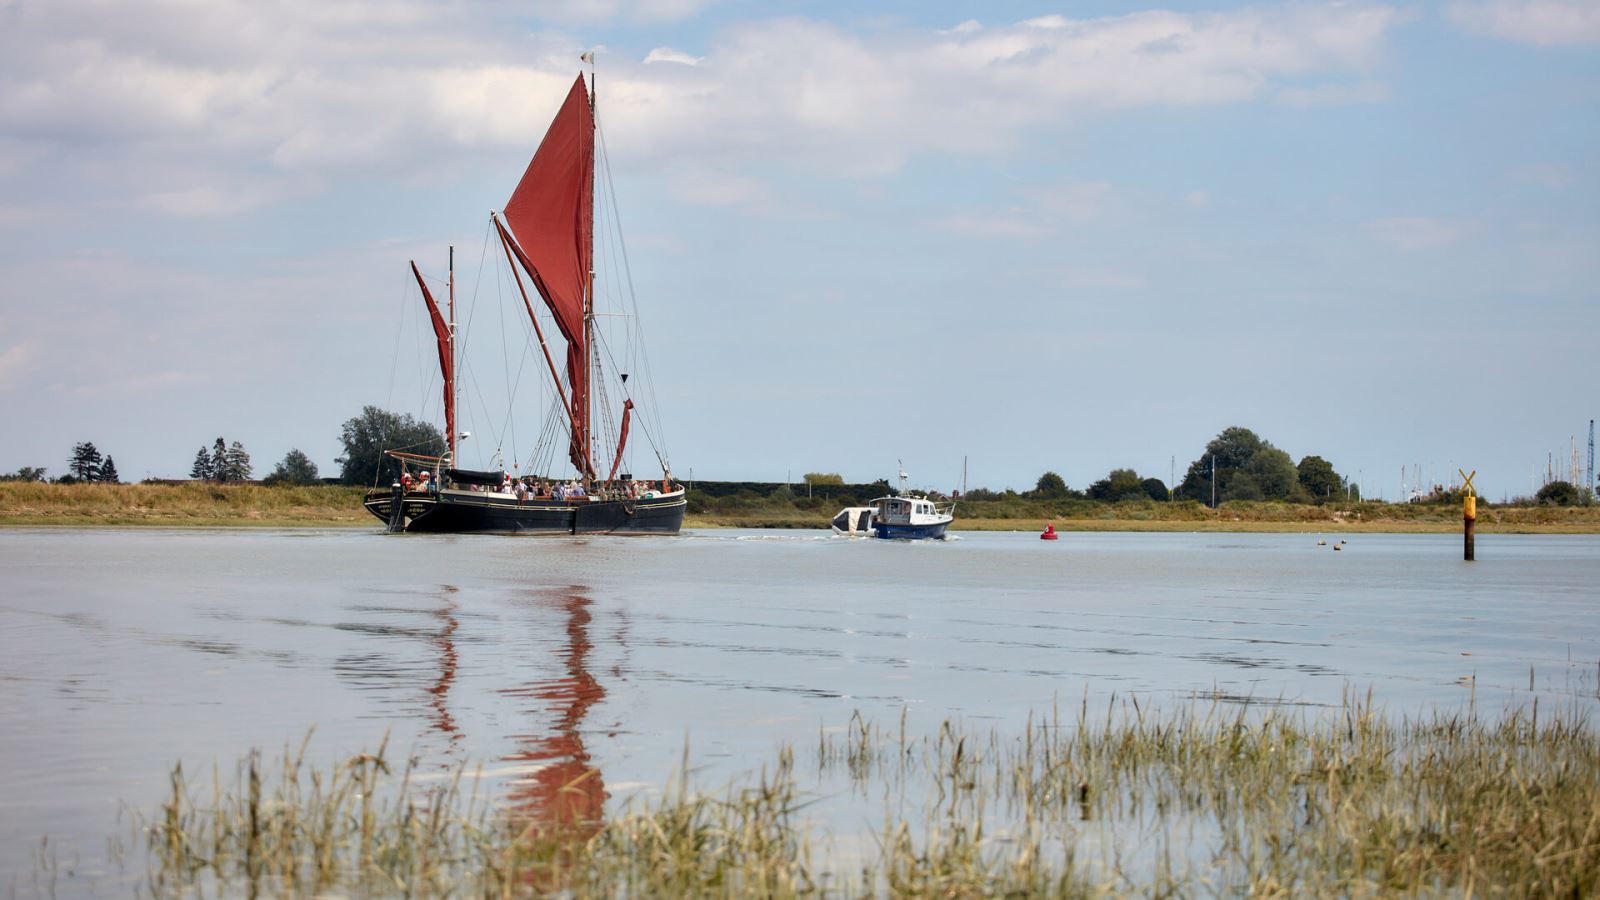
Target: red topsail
[(441, 334), (551, 214)]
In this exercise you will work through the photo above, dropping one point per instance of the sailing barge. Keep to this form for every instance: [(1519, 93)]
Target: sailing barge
[(546, 233)]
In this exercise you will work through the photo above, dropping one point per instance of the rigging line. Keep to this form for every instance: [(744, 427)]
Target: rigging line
[(644, 420), (463, 336), (522, 362), (394, 366), (515, 385), (483, 406), (505, 370), (543, 458), (633, 296), (652, 413), (422, 358)]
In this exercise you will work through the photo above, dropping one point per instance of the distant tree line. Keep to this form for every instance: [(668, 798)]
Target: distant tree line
[(224, 463), (1237, 465), (1247, 468)]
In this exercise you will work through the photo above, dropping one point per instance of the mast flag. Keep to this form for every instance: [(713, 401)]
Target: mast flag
[(551, 215), (441, 335)]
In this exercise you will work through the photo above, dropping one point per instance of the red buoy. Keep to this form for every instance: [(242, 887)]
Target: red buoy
[(1049, 532)]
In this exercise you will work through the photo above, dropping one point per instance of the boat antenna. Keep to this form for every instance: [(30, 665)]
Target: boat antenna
[(900, 464)]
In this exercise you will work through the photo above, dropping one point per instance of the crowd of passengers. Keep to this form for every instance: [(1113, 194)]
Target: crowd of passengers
[(541, 489)]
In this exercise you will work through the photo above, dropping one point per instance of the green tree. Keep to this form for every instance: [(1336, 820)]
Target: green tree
[(1559, 493), (219, 460), (1241, 485), (1320, 481), (366, 436), (26, 473), (108, 472), (1050, 487), (236, 463), (820, 478), (201, 470), (1156, 489), (1120, 484), (294, 468), (1231, 450), (85, 462), (1273, 472)]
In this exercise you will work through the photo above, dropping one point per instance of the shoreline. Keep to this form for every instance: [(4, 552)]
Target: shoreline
[(996, 526), (205, 505)]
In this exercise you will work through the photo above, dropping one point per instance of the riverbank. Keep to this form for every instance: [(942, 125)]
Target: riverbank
[(190, 505), (206, 505), (1251, 517)]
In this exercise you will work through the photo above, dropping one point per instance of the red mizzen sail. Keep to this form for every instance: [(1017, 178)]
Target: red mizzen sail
[(441, 334), (622, 439), (551, 214)]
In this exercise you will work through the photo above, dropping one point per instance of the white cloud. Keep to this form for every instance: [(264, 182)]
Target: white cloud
[(204, 201), (283, 97), (1012, 224), (703, 187), (1417, 233), (1541, 22), (1077, 202), (634, 11), (967, 27), (669, 55), (16, 364), (1301, 97), (1553, 176)]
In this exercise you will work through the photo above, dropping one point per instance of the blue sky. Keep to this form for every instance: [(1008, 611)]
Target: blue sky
[(1069, 236)]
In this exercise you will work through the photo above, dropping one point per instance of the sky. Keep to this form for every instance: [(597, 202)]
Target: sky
[(1068, 236)]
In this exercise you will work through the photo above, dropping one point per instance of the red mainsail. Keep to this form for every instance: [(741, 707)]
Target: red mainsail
[(551, 214), (441, 334)]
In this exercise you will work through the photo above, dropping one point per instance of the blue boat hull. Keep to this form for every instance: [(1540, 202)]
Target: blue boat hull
[(910, 532)]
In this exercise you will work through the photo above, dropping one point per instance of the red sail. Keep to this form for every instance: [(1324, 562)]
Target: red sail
[(622, 439), (551, 214), (441, 334)]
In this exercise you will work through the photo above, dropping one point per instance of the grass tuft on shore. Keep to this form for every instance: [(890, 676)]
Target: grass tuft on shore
[(1213, 798)]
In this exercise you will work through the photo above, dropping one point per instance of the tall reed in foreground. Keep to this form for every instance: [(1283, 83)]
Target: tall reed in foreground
[(1207, 799)]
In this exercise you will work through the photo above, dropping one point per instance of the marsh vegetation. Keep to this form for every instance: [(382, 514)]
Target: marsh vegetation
[(1210, 798)]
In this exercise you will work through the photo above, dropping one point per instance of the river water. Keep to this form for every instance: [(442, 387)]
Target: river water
[(124, 651)]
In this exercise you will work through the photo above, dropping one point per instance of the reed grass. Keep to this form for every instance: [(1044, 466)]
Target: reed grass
[(1209, 799)]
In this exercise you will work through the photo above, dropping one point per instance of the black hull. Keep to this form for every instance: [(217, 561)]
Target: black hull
[(453, 512)]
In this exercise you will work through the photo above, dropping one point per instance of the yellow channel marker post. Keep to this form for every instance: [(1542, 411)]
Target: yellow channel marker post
[(1469, 513)]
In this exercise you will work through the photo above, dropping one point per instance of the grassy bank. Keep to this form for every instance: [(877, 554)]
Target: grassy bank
[(197, 504), (1208, 800), (1237, 516), (210, 505)]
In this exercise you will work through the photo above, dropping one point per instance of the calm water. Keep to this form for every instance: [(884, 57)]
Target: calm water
[(124, 651)]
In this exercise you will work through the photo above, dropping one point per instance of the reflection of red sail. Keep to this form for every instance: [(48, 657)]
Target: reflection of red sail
[(443, 722), (567, 792)]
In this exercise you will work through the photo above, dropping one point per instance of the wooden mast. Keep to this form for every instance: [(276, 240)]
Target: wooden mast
[(454, 431), (588, 301)]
